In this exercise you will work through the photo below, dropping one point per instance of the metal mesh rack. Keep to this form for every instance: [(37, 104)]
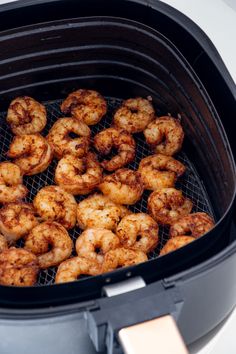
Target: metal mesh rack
[(190, 183)]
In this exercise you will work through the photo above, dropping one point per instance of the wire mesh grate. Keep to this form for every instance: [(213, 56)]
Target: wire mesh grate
[(190, 183)]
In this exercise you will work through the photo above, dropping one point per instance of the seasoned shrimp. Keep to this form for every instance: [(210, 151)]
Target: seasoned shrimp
[(138, 231), (122, 257), (32, 153), (167, 205), (53, 203), (134, 115), (62, 143), (26, 116), (73, 268), (78, 176), (119, 139), (175, 243), (160, 171), (165, 135), (86, 105), (16, 220), (99, 211), (94, 243), (11, 183), (195, 225), (3, 243), (123, 186), (50, 242), (18, 267)]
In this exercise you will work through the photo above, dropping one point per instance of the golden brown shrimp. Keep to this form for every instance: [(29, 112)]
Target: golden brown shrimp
[(160, 171), (53, 203), (123, 186), (3, 243), (32, 153), (86, 105), (167, 205), (78, 176), (71, 269), (119, 139), (94, 243), (138, 231), (134, 115), (16, 220), (11, 183), (18, 267), (50, 242), (62, 143), (122, 257), (175, 243), (165, 135), (26, 116), (99, 211), (195, 225)]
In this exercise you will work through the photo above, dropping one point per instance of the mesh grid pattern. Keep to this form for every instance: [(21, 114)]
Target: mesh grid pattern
[(190, 183)]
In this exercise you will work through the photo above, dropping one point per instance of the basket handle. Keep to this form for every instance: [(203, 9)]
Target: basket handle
[(160, 336)]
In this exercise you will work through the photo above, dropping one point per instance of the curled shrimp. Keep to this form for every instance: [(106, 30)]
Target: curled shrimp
[(123, 186), (73, 268), (195, 225), (99, 211), (78, 176), (175, 243), (50, 242), (26, 116), (32, 153), (18, 267), (138, 231), (62, 143), (3, 243), (134, 115), (53, 203), (160, 171), (165, 135), (11, 183), (119, 139), (94, 243), (122, 257), (86, 105), (167, 205), (16, 220)]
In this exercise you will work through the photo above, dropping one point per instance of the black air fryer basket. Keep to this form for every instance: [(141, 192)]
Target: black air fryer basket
[(126, 49)]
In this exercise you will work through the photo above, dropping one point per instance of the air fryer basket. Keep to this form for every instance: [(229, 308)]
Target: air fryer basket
[(120, 58)]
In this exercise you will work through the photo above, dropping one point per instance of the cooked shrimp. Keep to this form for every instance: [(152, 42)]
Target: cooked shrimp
[(175, 243), (32, 153), (71, 269), (50, 242), (11, 183), (138, 231), (195, 225), (78, 176), (62, 143), (167, 205), (53, 203), (123, 186), (99, 211), (16, 220), (94, 243), (3, 243), (160, 171), (165, 135), (86, 105), (134, 115), (122, 257), (26, 116), (119, 139), (18, 267)]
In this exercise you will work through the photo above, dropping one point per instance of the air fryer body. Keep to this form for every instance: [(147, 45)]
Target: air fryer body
[(203, 294)]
